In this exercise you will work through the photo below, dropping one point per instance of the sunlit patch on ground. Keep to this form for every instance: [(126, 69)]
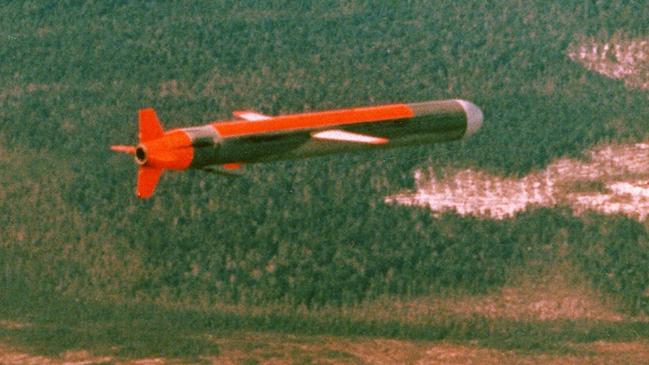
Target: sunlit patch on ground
[(9, 356), (621, 59), (12, 325), (552, 295), (259, 348), (285, 349), (614, 180)]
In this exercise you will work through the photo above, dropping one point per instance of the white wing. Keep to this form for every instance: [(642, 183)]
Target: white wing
[(344, 136)]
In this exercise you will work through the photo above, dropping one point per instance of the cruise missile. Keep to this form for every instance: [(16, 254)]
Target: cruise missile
[(251, 137)]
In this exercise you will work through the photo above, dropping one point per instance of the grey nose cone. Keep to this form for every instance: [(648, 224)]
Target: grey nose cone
[(473, 117)]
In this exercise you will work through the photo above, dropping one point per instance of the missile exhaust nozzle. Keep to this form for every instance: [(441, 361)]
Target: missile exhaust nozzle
[(140, 155)]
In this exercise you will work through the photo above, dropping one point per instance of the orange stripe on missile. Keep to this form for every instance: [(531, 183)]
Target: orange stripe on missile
[(317, 120)]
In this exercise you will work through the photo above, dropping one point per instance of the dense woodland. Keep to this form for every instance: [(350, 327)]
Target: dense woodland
[(308, 233)]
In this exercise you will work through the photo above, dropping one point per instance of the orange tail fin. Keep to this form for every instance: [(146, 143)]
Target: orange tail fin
[(147, 179), (149, 124), (150, 129), (147, 176)]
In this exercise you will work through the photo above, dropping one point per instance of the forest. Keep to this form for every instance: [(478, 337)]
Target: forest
[(312, 236)]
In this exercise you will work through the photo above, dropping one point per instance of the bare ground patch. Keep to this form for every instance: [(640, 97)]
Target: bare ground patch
[(255, 348), (329, 350), (613, 180), (12, 356), (553, 295), (13, 325), (620, 58)]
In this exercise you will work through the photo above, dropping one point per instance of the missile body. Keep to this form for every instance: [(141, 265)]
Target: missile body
[(400, 125), (256, 138)]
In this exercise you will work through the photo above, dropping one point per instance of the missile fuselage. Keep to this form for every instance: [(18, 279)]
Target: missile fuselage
[(291, 136), (257, 138)]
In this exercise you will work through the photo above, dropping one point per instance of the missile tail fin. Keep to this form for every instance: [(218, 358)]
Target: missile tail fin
[(147, 180), (149, 124)]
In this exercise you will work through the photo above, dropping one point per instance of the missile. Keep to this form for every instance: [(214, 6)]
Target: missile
[(251, 137)]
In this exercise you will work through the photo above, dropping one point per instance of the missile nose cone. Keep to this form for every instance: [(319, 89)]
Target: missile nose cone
[(473, 117)]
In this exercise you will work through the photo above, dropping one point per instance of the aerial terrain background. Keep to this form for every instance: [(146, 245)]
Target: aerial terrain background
[(311, 252)]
